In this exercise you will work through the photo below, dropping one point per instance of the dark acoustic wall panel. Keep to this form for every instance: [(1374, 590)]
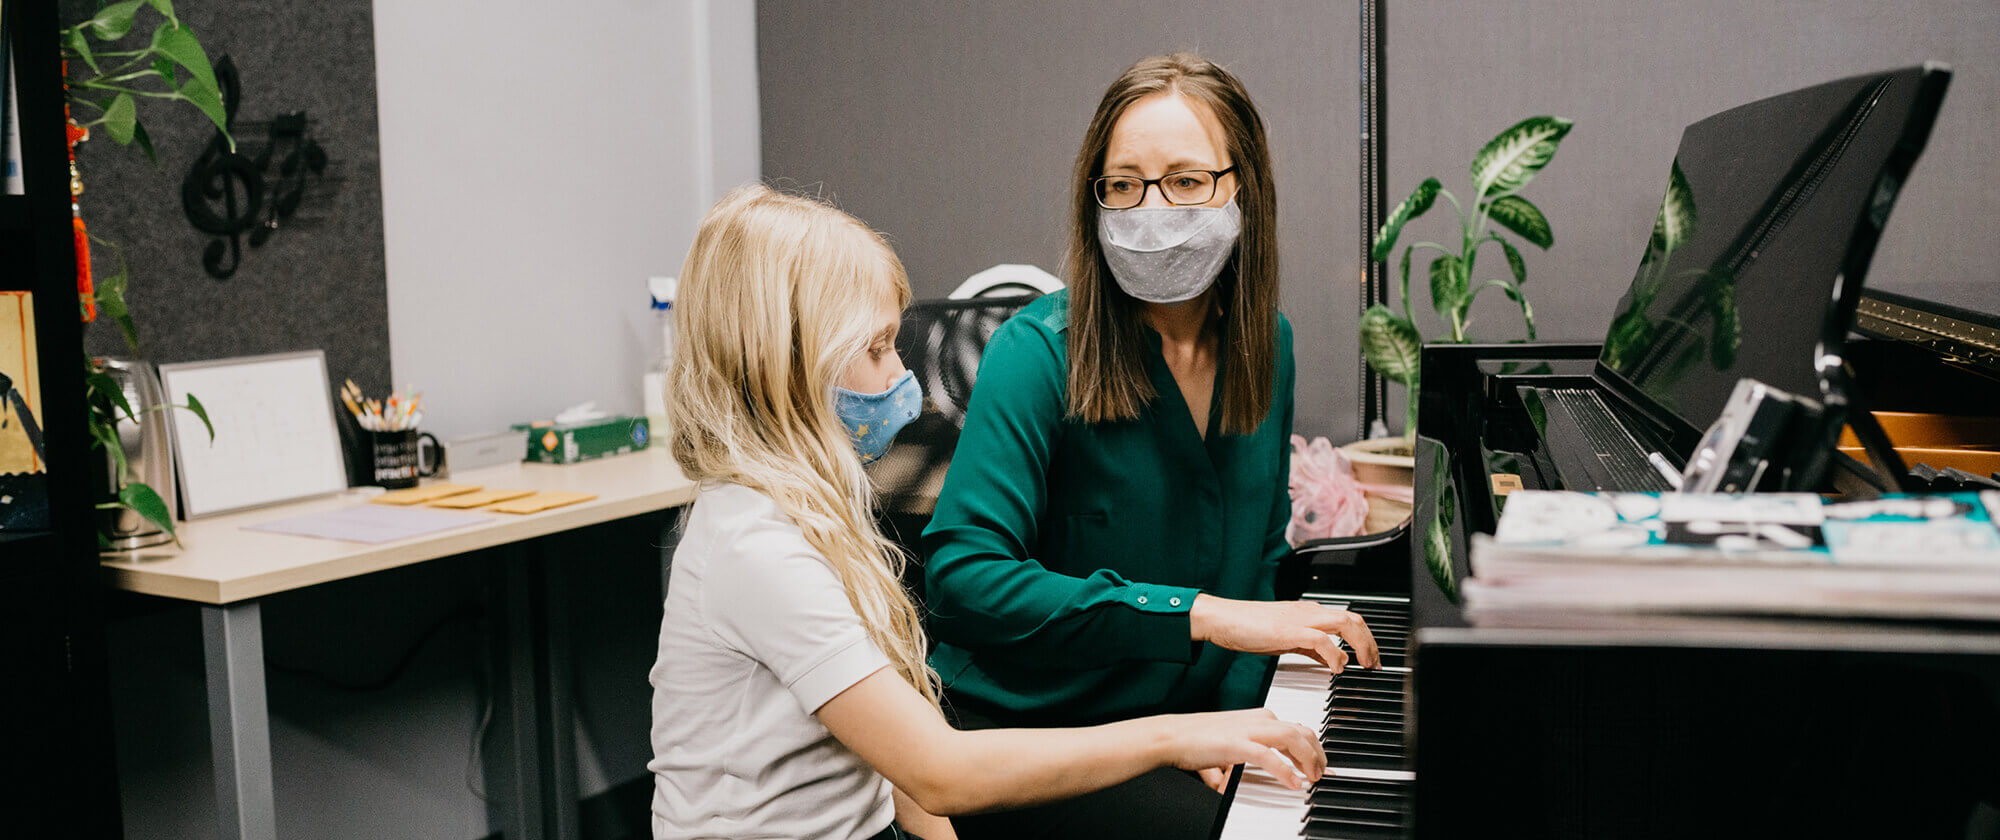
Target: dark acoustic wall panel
[(318, 281)]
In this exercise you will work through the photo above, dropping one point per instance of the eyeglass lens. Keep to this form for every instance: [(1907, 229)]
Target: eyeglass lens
[(1119, 192)]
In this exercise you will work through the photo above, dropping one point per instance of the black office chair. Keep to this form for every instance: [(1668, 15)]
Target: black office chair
[(941, 342)]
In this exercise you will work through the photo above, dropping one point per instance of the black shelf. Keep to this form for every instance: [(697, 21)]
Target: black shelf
[(14, 213), (56, 716)]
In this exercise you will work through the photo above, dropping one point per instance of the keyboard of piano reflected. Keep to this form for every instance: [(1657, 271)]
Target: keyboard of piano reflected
[(1366, 792)]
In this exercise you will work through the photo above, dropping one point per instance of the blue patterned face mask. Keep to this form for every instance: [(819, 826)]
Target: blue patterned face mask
[(872, 420)]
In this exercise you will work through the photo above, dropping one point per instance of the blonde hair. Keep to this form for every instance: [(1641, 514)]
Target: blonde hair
[(773, 309)]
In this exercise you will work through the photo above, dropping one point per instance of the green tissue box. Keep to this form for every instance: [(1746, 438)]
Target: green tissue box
[(568, 443)]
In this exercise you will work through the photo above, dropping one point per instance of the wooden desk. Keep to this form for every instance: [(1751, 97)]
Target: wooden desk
[(226, 569)]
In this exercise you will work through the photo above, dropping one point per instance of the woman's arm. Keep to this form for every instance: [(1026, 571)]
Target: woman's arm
[(947, 771), (985, 588)]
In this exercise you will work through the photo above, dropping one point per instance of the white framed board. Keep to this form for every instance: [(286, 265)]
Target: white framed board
[(275, 439)]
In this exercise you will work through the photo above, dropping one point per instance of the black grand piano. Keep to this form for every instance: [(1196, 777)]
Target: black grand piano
[(1611, 725)]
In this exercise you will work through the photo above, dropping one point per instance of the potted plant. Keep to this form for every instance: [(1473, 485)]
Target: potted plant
[(1391, 340), (171, 65)]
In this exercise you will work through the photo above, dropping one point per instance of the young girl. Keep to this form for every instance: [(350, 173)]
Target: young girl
[(791, 697)]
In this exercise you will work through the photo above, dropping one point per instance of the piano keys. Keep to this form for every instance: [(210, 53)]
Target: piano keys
[(1366, 792)]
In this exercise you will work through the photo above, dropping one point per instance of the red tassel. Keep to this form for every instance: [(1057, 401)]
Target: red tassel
[(86, 291)]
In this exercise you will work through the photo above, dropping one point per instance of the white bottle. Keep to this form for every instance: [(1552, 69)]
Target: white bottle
[(653, 390)]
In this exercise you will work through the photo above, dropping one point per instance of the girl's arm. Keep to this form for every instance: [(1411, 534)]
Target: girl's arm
[(947, 771), (915, 820)]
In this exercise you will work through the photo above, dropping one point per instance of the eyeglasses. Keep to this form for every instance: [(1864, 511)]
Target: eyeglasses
[(1188, 186)]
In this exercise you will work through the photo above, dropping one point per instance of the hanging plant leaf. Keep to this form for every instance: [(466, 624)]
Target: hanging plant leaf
[(113, 21), (1522, 217), (1515, 155), (178, 43), (1419, 201), (206, 97), (165, 8), (101, 384), (120, 117), (104, 435), (1391, 344), (73, 39), (145, 142), (194, 405), (165, 67), (1448, 286), (148, 504), (1675, 224)]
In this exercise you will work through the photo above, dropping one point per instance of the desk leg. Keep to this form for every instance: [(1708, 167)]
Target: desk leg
[(536, 787), (513, 778), (558, 694), (239, 720)]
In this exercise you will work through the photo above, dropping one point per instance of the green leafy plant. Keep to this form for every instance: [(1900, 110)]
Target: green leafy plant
[(171, 66), (1390, 340), (107, 403)]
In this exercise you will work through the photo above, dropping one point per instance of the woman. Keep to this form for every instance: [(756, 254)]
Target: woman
[(1106, 541), (790, 696)]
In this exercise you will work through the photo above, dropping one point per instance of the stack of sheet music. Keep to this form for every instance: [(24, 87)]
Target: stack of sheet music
[(1928, 557)]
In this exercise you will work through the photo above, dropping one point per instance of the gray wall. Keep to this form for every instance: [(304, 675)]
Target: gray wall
[(539, 162), (952, 128), (882, 101)]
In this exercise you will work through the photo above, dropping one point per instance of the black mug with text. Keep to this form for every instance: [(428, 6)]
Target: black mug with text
[(400, 459)]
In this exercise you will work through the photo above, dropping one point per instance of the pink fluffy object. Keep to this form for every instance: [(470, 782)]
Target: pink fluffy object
[(1326, 500)]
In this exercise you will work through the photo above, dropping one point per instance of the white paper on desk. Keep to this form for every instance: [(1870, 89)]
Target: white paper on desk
[(370, 523)]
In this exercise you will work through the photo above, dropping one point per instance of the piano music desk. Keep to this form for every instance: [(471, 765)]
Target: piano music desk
[(228, 570)]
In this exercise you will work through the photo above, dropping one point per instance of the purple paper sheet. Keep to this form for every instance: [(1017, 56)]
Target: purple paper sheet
[(370, 523)]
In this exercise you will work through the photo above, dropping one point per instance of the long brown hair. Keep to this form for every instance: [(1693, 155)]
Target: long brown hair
[(1107, 371)]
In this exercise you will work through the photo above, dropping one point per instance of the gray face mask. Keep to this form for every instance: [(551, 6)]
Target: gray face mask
[(1168, 254)]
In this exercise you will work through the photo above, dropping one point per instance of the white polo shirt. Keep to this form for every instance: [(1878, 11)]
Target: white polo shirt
[(758, 634)]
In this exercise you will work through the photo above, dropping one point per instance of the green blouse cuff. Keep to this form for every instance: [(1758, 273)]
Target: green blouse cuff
[(1162, 632)]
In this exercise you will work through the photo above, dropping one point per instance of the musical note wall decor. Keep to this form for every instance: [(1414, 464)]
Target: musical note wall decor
[(228, 194)]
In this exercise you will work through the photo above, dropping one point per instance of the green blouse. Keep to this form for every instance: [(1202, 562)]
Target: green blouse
[(1064, 556)]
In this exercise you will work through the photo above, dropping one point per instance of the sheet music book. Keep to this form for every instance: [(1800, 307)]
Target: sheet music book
[(1789, 553)]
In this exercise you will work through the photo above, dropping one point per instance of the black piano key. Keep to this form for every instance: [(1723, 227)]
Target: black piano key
[(1377, 715), (1359, 702), (1335, 788), (1368, 688), (1374, 735), (1375, 729), (1357, 814), (1340, 742), (1363, 761), (1365, 677), (1320, 828), (1391, 715)]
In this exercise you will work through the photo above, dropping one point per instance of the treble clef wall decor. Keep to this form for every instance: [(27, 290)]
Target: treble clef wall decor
[(226, 194)]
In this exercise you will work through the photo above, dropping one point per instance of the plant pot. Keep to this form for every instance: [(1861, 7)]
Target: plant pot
[(1383, 462)]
